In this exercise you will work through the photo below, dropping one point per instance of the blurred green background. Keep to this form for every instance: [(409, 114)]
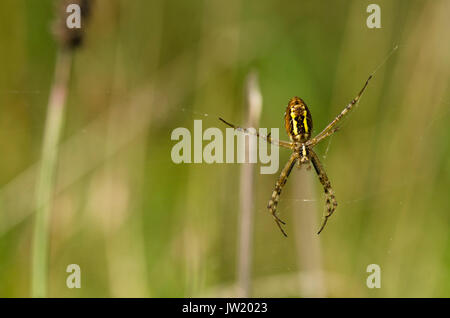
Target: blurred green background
[(140, 225)]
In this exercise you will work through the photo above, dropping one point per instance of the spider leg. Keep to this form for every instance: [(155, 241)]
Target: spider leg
[(331, 128), (272, 205), (329, 193), (281, 143)]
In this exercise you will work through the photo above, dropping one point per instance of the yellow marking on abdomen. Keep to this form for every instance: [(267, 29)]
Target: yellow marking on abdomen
[(305, 123), (294, 122)]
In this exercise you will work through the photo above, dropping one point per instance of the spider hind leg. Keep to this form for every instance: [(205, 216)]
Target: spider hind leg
[(273, 203), (331, 202), (331, 205)]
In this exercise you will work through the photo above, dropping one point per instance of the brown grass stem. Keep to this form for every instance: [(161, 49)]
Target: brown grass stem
[(45, 181), (247, 195)]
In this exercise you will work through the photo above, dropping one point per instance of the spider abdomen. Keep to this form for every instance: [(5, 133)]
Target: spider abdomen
[(298, 120)]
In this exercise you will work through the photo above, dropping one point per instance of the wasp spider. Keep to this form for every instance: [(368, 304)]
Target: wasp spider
[(299, 125)]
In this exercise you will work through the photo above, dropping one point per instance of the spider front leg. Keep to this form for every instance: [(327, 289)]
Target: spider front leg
[(331, 128), (272, 205), (329, 193), (281, 143)]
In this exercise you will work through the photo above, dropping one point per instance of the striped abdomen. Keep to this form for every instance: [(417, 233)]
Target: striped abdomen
[(297, 120)]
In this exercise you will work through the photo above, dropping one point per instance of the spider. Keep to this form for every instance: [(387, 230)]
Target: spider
[(299, 125)]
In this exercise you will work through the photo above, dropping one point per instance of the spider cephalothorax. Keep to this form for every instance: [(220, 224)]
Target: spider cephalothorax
[(298, 123)]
